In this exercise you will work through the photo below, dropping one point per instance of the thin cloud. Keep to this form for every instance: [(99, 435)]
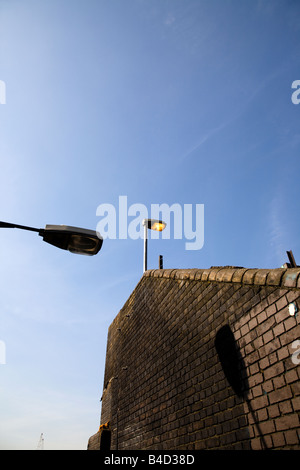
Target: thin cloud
[(169, 20), (243, 109), (203, 139)]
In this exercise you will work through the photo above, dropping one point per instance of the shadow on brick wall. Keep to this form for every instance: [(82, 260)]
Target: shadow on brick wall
[(235, 370), (232, 362)]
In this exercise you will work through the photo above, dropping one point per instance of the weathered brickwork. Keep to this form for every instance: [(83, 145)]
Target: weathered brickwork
[(203, 359), (94, 442)]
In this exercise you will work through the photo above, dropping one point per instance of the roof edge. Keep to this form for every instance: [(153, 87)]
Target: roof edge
[(278, 277)]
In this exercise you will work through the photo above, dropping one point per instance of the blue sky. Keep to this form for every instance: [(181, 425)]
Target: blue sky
[(162, 101)]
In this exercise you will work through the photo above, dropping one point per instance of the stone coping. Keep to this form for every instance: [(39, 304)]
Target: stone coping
[(278, 277)]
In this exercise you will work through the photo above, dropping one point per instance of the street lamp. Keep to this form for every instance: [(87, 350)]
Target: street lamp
[(152, 224), (76, 240)]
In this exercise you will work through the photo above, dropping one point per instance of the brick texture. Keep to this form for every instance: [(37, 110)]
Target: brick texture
[(94, 442), (205, 359)]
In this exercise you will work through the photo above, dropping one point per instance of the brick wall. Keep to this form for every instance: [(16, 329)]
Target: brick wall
[(205, 359), (94, 442)]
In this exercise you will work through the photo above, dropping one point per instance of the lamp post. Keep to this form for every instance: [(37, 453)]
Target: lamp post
[(152, 224), (74, 239)]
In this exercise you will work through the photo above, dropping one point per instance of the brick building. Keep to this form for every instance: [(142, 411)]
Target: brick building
[(204, 359)]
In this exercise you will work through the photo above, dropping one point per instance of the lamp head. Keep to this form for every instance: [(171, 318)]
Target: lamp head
[(155, 224), (74, 239)]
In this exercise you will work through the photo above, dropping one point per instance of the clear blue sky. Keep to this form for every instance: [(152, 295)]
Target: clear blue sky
[(182, 101)]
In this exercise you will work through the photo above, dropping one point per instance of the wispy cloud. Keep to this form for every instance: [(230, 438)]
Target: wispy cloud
[(170, 19), (211, 133), (204, 138)]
